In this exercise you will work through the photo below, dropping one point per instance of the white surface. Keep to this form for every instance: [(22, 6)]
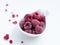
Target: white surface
[(51, 35)]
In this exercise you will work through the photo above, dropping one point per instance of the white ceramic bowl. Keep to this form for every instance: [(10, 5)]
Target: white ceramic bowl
[(31, 35)]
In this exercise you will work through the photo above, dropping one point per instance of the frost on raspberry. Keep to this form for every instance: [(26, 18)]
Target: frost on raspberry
[(42, 24), (6, 37), (21, 24), (28, 17), (42, 18), (38, 29), (35, 22)]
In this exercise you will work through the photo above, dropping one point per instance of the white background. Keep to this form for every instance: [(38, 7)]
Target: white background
[(51, 35)]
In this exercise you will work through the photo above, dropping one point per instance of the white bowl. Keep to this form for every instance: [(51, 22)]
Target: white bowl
[(31, 35)]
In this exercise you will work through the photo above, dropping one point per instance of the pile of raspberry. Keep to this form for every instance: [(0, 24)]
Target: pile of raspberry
[(33, 23)]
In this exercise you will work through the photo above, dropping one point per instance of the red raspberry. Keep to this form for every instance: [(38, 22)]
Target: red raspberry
[(42, 18), (38, 29), (13, 15), (35, 22), (14, 22), (42, 24), (21, 24), (17, 15), (10, 41), (6, 37), (27, 25), (36, 15), (28, 17), (28, 31)]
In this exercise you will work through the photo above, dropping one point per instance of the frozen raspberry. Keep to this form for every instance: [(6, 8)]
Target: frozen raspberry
[(36, 15), (38, 29), (22, 42), (27, 25), (21, 24), (42, 24), (42, 18), (10, 41), (13, 15), (28, 31), (14, 22), (9, 20), (17, 15), (6, 4), (5, 10), (35, 22), (6, 37), (28, 17)]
